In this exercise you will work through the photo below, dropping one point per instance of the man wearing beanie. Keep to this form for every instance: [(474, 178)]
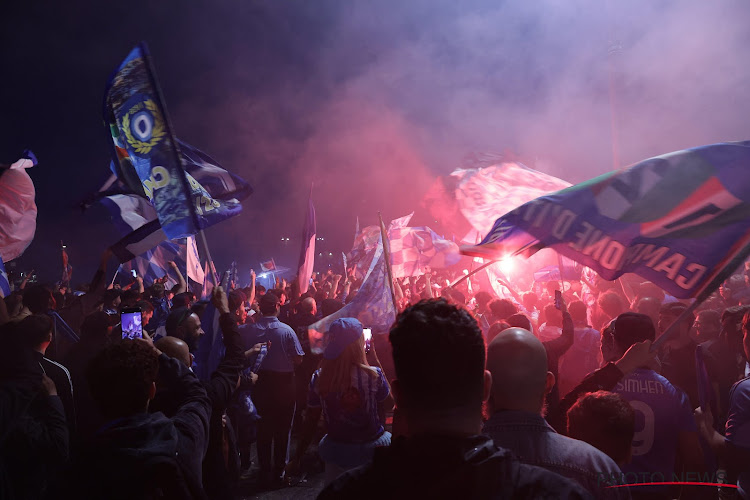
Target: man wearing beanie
[(274, 392), (664, 427)]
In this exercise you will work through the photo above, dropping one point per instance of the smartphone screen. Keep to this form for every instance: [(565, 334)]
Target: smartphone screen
[(131, 322), (367, 333), (558, 299)]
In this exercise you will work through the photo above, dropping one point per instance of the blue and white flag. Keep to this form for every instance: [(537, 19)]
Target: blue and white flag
[(4, 283), (372, 305), (680, 220), (307, 254), (149, 160)]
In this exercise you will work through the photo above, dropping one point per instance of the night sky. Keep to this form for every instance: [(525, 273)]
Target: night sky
[(370, 100)]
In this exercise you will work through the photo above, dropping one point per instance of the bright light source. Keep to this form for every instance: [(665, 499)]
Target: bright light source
[(330, 254), (507, 266)]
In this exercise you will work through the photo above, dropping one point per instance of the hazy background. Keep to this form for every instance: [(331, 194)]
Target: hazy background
[(371, 100)]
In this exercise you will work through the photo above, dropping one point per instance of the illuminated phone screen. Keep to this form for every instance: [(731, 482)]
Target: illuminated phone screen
[(132, 325)]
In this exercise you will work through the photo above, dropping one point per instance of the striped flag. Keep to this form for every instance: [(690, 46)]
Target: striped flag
[(307, 254)]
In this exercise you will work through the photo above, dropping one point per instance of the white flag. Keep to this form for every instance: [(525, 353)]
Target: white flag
[(194, 269)]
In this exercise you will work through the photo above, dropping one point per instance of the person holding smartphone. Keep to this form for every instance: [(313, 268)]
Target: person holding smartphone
[(348, 388)]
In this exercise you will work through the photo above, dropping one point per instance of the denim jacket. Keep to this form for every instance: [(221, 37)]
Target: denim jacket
[(530, 438)]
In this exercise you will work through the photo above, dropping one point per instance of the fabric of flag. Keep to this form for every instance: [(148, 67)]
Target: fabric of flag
[(215, 179), (208, 284), (372, 305), (4, 283), (400, 222), (154, 263), (194, 269), (484, 194), (440, 202), (307, 254), (571, 271), (413, 249), (676, 220), (360, 256), (17, 207), (268, 265), (148, 160)]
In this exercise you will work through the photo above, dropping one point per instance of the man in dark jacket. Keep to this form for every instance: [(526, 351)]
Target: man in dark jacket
[(137, 454), (442, 454), (220, 472)]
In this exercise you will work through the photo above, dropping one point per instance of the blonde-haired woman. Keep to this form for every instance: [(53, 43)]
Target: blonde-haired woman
[(349, 389)]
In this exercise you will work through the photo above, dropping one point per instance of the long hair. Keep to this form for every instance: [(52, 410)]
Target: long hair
[(336, 374)]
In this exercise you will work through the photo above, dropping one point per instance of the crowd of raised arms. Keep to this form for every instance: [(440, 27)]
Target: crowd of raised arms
[(470, 394)]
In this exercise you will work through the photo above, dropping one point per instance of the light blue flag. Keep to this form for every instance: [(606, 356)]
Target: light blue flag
[(372, 306)]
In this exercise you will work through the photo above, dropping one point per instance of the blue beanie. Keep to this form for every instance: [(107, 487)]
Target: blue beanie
[(342, 332)]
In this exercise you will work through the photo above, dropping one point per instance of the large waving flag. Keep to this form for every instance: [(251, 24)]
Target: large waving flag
[(136, 220), (677, 220), (149, 158), (17, 207), (372, 306), (307, 255)]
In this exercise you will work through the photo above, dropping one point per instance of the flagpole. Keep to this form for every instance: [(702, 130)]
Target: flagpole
[(208, 255), (175, 149), (112, 283), (387, 256), (466, 276)]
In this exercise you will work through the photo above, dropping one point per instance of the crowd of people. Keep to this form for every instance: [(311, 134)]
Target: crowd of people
[(474, 392)]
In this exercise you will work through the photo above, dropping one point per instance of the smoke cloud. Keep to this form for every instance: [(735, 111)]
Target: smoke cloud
[(370, 101)]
